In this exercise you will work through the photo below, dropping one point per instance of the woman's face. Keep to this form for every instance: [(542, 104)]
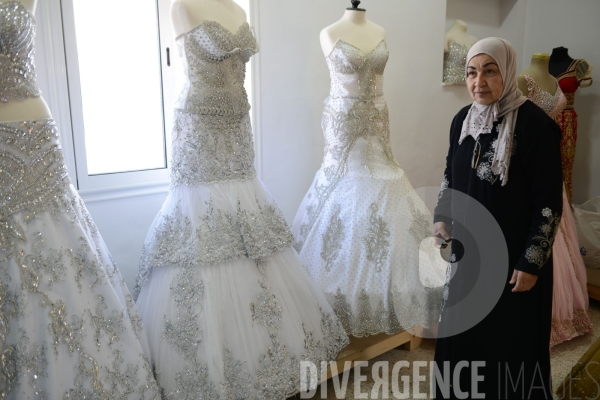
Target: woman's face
[(484, 80)]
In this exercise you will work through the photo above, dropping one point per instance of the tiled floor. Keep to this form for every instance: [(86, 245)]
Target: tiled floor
[(563, 356)]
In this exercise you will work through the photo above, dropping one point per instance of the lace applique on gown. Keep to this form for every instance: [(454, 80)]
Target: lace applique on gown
[(229, 308), (552, 104), (68, 325), (360, 226), (570, 296)]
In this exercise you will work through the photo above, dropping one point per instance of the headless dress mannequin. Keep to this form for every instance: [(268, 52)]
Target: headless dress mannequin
[(355, 29), (538, 70), (187, 14), (457, 33), (31, 108)]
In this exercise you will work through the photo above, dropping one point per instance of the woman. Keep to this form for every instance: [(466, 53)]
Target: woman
[(505, 154)]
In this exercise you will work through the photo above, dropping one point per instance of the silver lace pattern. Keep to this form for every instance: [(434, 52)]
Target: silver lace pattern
[(17, 39), (455, 63), (23, 362), (217, 237), (356, 80), (278, 375), (33, 177), (212, 136)]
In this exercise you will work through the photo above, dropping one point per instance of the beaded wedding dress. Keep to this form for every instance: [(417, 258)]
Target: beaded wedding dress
[(68, 325), (229, 308), (361, 227), (570, 300)]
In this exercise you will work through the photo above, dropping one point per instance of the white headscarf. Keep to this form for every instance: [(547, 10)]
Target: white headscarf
[(480, 118)]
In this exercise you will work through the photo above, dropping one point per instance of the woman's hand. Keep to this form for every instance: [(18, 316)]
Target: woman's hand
[(439, 231), (524, 281)]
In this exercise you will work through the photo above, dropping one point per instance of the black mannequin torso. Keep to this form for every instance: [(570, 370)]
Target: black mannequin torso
[(560, 61)]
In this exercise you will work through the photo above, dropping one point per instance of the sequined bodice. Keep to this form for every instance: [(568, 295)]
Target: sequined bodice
[(551, 104), (356, 111), (214, 67), (355, 125), (212, 135), (17, 67), (355, 74), (455, 60)]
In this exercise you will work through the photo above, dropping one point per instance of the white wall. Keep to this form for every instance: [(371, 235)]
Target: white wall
[(294, 81), (123, 224), (574, 25)]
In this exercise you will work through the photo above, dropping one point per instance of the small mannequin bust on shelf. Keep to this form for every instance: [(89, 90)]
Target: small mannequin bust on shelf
[(355, 29), (188, 14), (538, 70), (31, 108), (457, 43), (457, 33)]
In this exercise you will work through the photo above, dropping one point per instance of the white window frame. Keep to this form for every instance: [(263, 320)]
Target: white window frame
[(56, 24)]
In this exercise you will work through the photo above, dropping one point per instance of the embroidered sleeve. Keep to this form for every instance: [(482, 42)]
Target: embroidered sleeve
[(541, 158)]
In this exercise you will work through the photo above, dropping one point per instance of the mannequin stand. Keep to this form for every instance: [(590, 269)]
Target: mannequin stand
[(369, 347)]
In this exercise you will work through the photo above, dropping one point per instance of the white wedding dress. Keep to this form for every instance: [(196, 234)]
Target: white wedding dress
[(229, 308), (69, 328), (361, 227)]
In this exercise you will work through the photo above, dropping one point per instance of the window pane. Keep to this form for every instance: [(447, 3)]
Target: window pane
[(119, 67)]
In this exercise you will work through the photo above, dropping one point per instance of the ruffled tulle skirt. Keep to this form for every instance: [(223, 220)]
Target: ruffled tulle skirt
[(230, 310)]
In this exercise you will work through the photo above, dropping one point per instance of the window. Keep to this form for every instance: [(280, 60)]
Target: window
[(120, 79), (121, 89)]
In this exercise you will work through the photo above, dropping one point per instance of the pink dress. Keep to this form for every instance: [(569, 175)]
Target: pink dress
[(570, 297)]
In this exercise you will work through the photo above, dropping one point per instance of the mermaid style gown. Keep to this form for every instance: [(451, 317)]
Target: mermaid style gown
[(68, 325), (229, 308), (360, 226), (569, 294)]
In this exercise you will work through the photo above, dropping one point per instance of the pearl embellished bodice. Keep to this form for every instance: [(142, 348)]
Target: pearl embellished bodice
[(17, 68), (213, 69), (355, 74), (212, 136)]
